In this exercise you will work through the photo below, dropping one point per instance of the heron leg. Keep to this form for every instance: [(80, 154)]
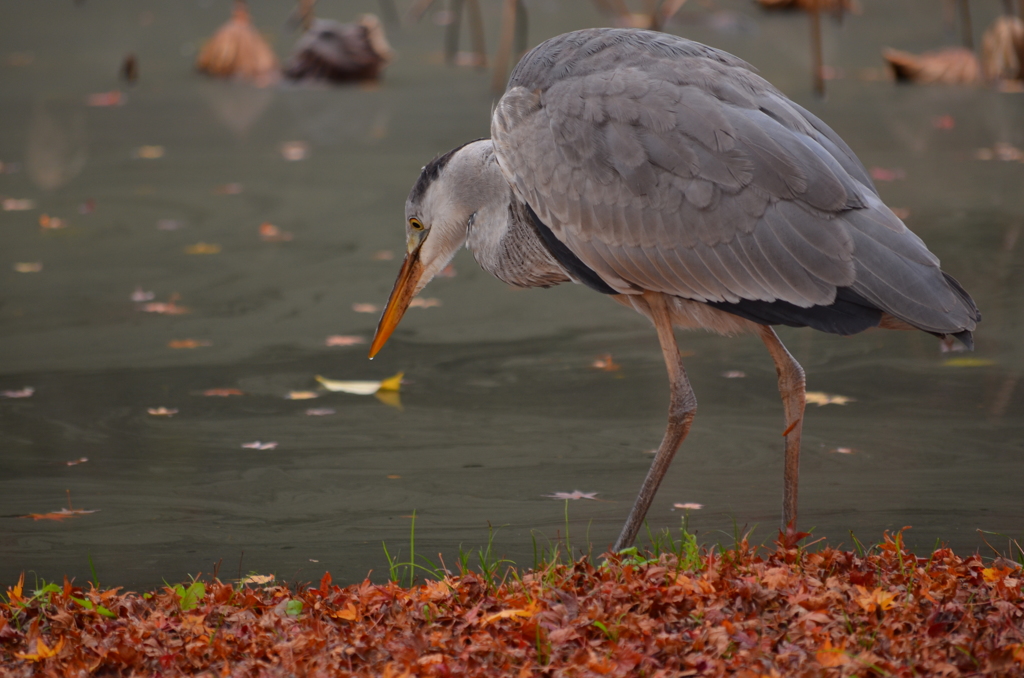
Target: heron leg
[(792, 387), (681, 409)]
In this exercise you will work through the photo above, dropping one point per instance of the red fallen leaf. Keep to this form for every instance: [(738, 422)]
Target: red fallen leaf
[(162, 411), (883, 174), (20, 393), (114, 98), (51, 223), (271, 233), (62, 514), (365, 308), (188, 343), (257, 445), (169, 308), (344, 340), (605, 363), (222, 392)]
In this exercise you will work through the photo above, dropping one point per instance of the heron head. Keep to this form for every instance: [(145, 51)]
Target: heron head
[(438, 214)]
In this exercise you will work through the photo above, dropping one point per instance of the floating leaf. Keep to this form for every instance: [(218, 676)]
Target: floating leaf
[(149, 152), (28, 266), (271, 233), (19, 393), (605, 363), (575, 494), (302, 395), (843, 450), (222, 392), (688, 506), (365, 308), (62, 514), (818, 398), (344, 340), (883, 174), (362, 387), (320, 412), (734, 374), (257, 445), (968, 362), (103, 99), (169, 308), (383, 255), (169, 225), (18, 204), (51, 223), (188, 343), (294, 150), (76, 462), (203, 248), (162, 411), (140, 295)]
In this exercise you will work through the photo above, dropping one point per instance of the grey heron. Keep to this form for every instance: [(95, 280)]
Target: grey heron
[(669, 176)]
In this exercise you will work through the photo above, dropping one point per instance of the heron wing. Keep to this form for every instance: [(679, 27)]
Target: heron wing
[(666, 165)]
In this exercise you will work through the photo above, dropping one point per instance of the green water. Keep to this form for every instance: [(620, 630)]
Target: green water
[(501, 405)]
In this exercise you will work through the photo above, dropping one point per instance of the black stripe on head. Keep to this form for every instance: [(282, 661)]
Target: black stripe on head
[(432, 170)]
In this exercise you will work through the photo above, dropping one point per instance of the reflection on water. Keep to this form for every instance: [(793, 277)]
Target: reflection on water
[(501, 405), (56, 151)]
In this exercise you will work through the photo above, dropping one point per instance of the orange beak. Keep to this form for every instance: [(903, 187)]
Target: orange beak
[(398, 302)]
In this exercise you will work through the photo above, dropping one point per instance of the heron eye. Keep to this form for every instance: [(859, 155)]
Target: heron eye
[(415, 224)]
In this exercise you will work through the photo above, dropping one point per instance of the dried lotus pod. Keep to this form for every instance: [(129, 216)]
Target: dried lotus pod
[(238, 50), (338, 52), (1002, 49), (952, 66), (851, 6)]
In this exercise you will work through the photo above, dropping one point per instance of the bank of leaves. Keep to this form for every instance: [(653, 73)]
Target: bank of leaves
[(744, 612)]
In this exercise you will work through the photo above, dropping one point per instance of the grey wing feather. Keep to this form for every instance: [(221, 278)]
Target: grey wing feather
[(667, 165)]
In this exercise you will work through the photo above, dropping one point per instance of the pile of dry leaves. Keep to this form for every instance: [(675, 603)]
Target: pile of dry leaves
[(742, 612)]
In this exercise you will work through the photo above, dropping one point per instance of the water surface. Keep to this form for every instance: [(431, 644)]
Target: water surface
[(501, 405)]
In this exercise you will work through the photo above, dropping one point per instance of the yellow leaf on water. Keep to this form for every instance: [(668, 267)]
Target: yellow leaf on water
[(203, 248), (819, 398), (968, 362), (393, 383), (149, 152)]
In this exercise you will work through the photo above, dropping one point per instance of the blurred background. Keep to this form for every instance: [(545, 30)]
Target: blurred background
[(181, 255)]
